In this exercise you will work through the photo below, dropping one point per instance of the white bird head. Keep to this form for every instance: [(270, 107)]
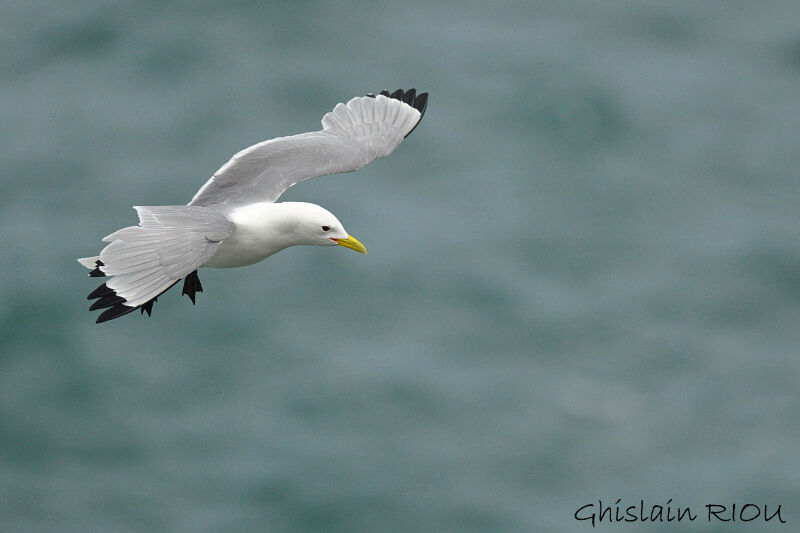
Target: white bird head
[(315, 225)]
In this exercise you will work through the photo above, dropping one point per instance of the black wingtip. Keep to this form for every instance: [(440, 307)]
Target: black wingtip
[(409, 97), (107, 297), (421, 104), (97, 273), (108, 300), (100, 291), (115, 312), (116, 304)]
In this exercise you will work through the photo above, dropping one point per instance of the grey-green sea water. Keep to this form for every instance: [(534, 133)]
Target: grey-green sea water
[(583, 279)]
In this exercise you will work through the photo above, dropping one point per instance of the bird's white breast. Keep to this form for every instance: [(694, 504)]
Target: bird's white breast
[(257, 235)]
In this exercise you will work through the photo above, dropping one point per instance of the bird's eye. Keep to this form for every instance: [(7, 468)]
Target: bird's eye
[(326, 228)]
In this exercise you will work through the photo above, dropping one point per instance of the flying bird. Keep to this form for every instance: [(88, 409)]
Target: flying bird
[(235, 219)]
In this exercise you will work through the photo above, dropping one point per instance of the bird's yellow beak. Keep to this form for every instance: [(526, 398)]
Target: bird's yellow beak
[(352, 243)]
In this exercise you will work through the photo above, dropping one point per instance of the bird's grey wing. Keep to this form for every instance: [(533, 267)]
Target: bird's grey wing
[(352, 135), (170, 242)]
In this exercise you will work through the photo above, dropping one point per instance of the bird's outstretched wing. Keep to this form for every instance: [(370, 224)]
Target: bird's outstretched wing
[(143, 261), (352, 135)]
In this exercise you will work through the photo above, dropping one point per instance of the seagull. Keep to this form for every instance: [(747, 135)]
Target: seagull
[(235, 219)]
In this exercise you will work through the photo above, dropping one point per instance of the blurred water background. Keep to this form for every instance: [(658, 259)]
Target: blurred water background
[(583, 280)]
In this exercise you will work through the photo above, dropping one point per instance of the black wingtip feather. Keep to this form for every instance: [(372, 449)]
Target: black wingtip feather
[(108, 300), (100, 291), (421, 104), (409, 97), (114, 312), (97, 273), (116, 304)]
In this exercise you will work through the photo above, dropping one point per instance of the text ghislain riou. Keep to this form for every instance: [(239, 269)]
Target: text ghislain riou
[(713, 512)]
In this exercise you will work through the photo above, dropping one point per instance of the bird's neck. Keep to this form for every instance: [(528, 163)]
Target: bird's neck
[(260, 230)]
